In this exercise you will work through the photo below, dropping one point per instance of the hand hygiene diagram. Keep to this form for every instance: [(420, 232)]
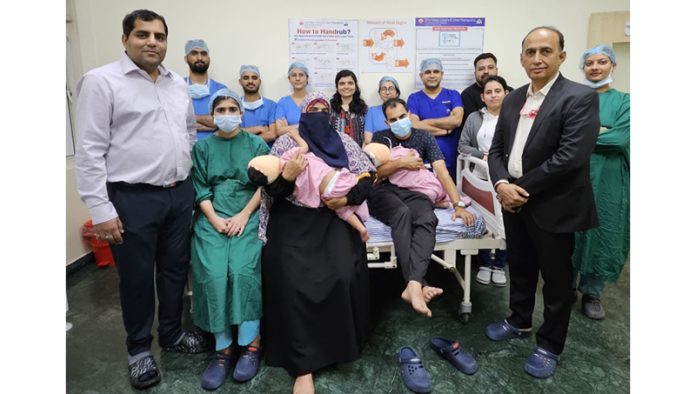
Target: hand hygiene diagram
[(386, 46)]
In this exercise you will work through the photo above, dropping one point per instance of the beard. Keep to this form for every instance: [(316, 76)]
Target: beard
[(198, 68), (250, 91)]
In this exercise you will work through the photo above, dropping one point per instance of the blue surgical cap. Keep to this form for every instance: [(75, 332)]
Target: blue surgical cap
[(227, 93), (249, 67), (431, 64), (600, 49), (387, 78), (300, 66), (190, 44)]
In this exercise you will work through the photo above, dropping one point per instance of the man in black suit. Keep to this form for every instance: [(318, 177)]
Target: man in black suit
[(539, 164)]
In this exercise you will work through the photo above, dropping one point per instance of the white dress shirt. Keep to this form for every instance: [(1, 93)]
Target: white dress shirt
[(130, 129), (524, 126)]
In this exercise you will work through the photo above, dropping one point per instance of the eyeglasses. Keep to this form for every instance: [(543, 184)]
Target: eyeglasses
[(387, 89)]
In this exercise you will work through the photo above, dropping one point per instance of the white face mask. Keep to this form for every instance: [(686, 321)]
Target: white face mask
[(227, 123), (252, 105), (595, 85)]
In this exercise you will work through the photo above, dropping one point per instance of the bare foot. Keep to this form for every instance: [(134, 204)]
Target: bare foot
[(364, 236), (304, 384), (430, 292), (413, 294)]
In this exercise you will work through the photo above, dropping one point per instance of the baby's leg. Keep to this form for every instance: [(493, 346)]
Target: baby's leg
[(355, 222)]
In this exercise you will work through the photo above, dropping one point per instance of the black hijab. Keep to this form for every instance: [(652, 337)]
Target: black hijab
[(322, 139)]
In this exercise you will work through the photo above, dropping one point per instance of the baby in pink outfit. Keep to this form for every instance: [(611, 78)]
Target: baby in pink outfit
[(421, 180), (316, 182)]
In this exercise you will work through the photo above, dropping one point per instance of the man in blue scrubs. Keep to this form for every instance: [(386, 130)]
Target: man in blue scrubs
[(438, 110), (200, 87), (259, 112)]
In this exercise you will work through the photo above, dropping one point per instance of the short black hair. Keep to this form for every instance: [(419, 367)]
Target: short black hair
[(257, 177), (485, 55), (496, 78), (391, 103), (143, 15), (561, 40)]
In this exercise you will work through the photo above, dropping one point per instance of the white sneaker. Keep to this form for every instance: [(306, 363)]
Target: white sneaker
[(498, 277), (484, 275)]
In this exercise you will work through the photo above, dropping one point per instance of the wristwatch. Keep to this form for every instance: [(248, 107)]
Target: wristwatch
[(462, 204)]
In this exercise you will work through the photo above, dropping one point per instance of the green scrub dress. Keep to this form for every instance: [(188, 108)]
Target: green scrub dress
[(226, 270), (602, 252)]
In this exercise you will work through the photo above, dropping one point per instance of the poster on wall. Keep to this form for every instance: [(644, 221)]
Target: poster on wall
[(456, 42), (325, 46), (387, 46)]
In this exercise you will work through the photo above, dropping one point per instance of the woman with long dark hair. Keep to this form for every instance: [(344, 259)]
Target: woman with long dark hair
[(348, 109)]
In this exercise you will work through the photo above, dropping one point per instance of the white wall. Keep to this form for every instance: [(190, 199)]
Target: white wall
[(256, 32)]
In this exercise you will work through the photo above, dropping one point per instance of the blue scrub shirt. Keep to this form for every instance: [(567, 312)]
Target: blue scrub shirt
[(286, 108), (426, 108), (200, 106)]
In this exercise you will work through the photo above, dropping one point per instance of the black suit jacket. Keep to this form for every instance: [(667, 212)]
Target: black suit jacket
[(556, 156)]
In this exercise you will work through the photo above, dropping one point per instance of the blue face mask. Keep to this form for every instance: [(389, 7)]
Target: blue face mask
[(595, 85), (197, 91), (401, 127), (227, 123)]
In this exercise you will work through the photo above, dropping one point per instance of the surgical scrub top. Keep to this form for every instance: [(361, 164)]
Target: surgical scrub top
[(200, 106), (286, 108), (261, 116), (441, 106), (374, 120)]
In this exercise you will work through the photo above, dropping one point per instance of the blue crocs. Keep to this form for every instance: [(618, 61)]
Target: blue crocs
[(452, 352), (542, 363), (247, 364), (412, 370), (214, 376), (503, 330)]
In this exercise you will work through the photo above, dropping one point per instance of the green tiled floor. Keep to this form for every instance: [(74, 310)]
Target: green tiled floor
[(596, 358)]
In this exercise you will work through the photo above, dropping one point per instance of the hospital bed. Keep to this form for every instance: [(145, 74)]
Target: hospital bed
[(486, 233)]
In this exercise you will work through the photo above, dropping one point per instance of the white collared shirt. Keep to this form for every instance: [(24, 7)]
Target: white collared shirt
[(524, 126), (130, 129)]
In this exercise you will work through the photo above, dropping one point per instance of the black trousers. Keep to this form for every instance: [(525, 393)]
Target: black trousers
[(156, 249), (532, 250), (412, 220)]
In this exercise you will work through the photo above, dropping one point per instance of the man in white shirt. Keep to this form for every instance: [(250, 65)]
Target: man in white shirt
[(135, 130), (539, 162)]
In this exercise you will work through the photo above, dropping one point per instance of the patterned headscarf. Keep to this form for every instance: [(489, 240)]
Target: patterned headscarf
[(322, 139), (313, 98)]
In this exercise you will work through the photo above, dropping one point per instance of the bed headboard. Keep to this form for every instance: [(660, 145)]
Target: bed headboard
[(481, 193)]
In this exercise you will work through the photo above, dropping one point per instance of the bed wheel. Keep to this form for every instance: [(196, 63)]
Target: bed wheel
[(464, 312)]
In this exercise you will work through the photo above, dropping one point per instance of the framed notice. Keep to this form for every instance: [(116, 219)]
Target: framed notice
[(325, 46), (456, 42)]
